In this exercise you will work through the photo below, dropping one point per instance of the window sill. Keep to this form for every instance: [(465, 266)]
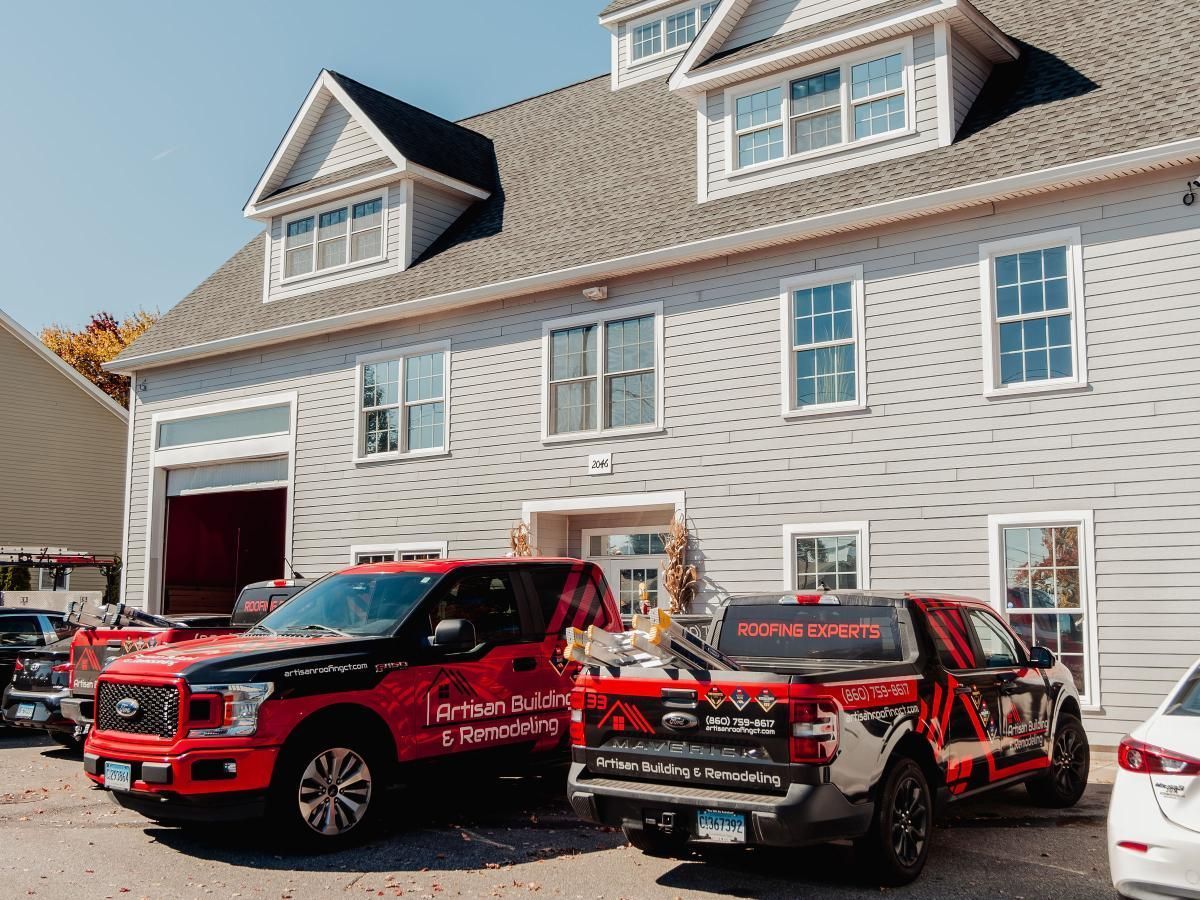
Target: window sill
[(823, 153), (1093, 711), (831, 410), (334, 270), (397, 457), (585, 437), (1033, 390)]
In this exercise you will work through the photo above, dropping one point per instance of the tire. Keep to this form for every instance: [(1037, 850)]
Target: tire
[(326, 791), (653, 842), (1070, 763), (894, 851)]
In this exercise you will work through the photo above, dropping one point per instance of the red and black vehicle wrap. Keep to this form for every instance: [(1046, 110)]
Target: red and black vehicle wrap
[(506, 695), (832, 689)]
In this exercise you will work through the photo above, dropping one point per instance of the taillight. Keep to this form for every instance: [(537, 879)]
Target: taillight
[(61, 668), (17, 667), (577, 700), (1135, 756), (814, 731)]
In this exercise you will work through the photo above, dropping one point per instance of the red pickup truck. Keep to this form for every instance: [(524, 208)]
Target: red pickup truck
[(373, 674), (852, 716)]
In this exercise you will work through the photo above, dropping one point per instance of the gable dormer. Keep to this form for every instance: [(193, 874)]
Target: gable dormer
[(649, 36), (788, 90), (361, 186)]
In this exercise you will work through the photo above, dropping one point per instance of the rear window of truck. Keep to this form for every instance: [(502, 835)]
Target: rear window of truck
[(795, 631)]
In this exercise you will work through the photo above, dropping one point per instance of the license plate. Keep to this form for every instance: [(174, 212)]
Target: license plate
[(117, 776), (724, 827), (24, 711)]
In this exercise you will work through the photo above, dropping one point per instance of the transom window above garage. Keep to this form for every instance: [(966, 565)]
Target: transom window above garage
[(347, 234), (403, 403), (603, 374), (822, 108)]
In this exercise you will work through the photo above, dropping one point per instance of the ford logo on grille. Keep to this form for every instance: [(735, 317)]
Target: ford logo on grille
[(678, 721), (127, 707)]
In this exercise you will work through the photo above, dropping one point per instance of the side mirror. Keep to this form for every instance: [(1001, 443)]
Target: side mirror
[(1041, 658), (454, 635)]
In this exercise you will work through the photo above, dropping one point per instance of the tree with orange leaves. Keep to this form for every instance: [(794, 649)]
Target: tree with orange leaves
[(100, 341)]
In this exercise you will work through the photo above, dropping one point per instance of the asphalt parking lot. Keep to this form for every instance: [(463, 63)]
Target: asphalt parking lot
[(506, 838)]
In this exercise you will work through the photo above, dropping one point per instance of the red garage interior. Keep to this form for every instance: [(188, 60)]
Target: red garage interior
[(216, 543)]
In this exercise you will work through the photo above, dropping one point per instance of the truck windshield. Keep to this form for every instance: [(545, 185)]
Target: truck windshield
[(350, 603), (812, 632)]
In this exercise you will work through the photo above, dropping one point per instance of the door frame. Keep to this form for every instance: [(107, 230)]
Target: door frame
[(649, 560)]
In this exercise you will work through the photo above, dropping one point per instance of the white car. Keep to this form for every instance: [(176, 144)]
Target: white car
[(1154, 816)]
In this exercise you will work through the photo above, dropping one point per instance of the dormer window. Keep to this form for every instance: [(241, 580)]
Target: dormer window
[(347, 234), (821, 109), (665, 34)]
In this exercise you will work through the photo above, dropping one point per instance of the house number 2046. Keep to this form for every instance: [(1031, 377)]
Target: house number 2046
[(600, 464)]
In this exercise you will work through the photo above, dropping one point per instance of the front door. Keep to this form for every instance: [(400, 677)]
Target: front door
[(632, 560)]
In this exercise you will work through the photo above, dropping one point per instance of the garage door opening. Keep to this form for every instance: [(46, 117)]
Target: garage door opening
[(216, 543)]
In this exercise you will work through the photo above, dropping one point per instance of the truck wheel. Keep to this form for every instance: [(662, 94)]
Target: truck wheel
[(1070, 763), (325, 791), (653, 842), (895, 849)]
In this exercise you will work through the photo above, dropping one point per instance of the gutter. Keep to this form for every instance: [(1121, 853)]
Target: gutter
[(1071, 174)]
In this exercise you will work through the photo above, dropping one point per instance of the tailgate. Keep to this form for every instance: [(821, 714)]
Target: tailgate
[(721, 729)]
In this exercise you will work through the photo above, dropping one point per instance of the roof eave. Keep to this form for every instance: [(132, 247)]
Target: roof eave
[(976, 27), (1008, 187)]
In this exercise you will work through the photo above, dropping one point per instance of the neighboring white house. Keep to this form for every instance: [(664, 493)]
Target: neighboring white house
[(894, 294), (62, 462)]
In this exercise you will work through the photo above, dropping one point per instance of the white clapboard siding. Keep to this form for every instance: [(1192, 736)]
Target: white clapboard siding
[(395, 229), (338, 141), (767, 18), (968, 70), (925, 464), (433, 212), (722, 183)]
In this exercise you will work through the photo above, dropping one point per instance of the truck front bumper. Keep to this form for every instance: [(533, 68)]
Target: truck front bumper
[(205, 784), (806, 814)]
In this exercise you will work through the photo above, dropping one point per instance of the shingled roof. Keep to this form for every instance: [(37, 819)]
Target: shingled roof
[(588, 174), (617, 5)]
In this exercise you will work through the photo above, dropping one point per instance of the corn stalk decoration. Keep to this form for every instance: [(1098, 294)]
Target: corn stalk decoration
[(519, 540), (679, 579)]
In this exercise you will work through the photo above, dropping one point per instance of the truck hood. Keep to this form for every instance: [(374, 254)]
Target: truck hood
[(238, 658)]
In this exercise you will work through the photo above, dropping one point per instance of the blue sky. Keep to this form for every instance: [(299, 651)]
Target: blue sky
[(134, 131)]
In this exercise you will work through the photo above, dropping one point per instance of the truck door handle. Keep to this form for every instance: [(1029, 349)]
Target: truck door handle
[(524, 664)]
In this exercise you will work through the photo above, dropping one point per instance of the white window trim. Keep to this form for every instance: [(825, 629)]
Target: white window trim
[(66, 584), (861, 530), (660, 17), (599, 319), (1085, 521), (315, 213), (358, 457), (1073, 239), (783, 80), (853, 274), (399, 547)]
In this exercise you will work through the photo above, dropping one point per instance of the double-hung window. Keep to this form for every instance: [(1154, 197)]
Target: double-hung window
[(1033, 313), (348, 234), (403, 403), (831, 556), (823, 349), (603, 373), (828, 107), (1043, 574), (669, 33)]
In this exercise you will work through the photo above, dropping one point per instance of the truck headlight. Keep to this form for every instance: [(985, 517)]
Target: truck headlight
[(226, 710)]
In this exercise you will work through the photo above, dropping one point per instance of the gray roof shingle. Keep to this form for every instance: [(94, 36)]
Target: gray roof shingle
[(617, 5), (588, 174)]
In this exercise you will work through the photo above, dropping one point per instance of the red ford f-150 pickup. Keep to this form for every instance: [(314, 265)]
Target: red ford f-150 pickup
[(367, 676), (853, 716)]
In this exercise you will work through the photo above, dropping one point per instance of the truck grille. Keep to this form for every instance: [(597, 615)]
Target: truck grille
[(156, 711)]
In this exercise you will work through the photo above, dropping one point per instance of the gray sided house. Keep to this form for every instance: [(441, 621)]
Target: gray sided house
[(63, 461), (891, 294)]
